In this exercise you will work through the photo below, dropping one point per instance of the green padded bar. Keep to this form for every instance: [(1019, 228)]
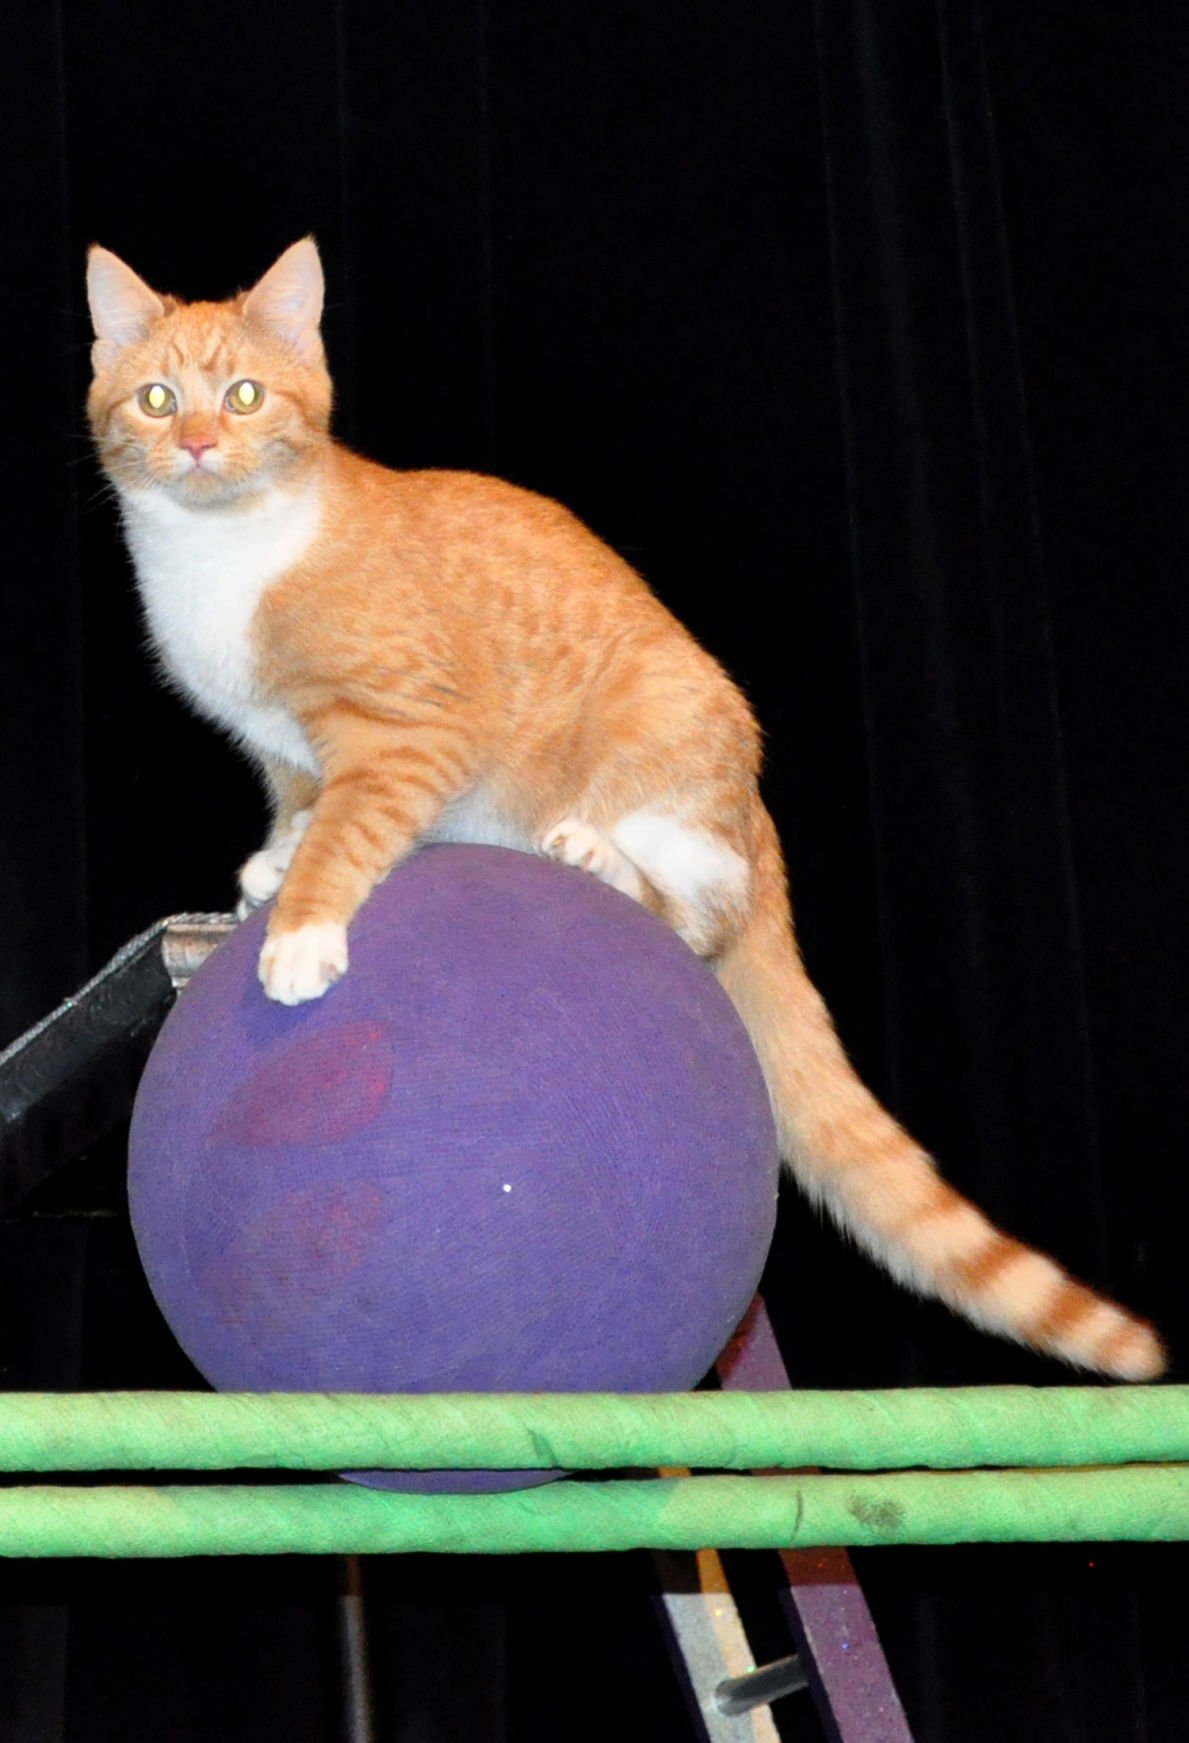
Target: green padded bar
[(942, 1429), (1145, 1503)]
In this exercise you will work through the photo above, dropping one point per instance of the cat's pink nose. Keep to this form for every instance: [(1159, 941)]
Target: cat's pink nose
[(197, 450)]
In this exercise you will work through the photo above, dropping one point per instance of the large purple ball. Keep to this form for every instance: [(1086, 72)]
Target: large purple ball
[(523, 1145)]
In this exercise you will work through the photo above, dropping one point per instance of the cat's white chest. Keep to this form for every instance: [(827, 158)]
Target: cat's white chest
[(202, 574)]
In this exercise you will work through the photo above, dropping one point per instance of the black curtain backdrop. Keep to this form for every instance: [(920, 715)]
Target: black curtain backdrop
[(858, 328)]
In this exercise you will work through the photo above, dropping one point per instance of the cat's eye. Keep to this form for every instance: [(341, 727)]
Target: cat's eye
[(157, 400), (244, 396)]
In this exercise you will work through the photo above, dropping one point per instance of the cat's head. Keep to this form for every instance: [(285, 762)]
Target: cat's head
[(208, 403)]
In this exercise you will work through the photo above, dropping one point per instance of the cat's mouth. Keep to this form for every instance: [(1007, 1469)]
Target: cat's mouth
[(205, 465)]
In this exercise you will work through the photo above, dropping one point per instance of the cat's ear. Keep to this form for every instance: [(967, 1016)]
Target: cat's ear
[(288, 299), (123, 308)]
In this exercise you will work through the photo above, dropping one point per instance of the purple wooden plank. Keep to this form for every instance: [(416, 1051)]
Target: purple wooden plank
[(852, 1686)]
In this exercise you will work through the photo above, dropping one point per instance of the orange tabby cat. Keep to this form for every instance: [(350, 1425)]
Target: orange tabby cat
[(435, 655)]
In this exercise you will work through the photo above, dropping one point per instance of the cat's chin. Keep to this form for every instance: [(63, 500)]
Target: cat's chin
[(203, 489), (212, 493)]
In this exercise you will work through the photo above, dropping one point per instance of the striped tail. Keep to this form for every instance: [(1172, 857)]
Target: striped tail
[(850, 1156)]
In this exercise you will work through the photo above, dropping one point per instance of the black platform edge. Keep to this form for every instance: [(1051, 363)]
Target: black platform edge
[(72, 1078)]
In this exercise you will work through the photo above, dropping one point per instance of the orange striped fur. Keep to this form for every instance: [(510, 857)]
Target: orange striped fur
[(434, 654)]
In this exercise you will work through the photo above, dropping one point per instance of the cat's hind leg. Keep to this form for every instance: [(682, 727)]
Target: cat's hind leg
[(575, 842), (688, 875)]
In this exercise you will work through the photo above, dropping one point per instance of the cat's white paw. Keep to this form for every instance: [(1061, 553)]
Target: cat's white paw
[(262, 876), (580, 844), (259, 880), (301, 965)]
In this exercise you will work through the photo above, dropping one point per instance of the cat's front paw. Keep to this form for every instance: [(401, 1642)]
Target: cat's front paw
[(262, 876), (259, 880), (301, 965)]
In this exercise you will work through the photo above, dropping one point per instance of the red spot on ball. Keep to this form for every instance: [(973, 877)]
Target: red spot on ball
[(283, 1264), (312, 1089)]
